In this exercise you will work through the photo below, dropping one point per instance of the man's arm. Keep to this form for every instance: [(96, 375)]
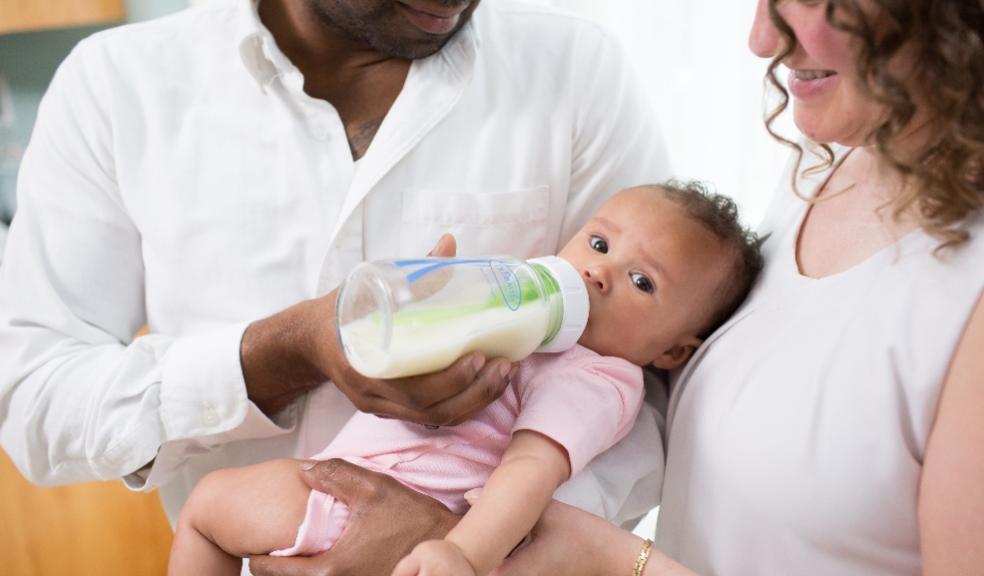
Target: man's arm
[(80, 398), (293, 351)]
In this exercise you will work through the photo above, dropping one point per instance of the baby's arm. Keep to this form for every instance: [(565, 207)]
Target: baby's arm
[(518, 491)]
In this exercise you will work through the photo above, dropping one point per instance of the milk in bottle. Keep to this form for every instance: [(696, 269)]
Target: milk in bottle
[(404, 317)]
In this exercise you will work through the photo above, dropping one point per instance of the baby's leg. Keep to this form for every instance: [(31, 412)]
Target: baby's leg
[(238, 512)]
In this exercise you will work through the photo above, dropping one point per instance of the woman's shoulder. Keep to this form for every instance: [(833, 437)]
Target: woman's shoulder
[(959, 263)]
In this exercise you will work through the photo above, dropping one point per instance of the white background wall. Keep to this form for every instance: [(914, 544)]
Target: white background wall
[(706, 87)]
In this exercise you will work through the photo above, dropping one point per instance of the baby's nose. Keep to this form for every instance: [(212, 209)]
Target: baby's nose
[(597, 276)]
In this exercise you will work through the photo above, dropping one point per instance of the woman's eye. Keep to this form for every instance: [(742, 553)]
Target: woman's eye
[(642, 283), (599, 244)]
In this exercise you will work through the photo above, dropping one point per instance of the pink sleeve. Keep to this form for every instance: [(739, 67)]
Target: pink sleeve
[(586, 405)]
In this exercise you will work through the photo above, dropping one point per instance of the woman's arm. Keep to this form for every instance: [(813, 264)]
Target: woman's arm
[(573, 542), (951, 494)]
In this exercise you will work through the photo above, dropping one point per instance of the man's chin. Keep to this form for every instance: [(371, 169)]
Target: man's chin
[(410, 48)]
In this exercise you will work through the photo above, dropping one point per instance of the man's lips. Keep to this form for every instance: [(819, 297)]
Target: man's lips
[(436, 11), (430, 18)]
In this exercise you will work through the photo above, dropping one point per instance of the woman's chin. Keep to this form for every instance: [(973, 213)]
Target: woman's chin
[(829, 127), (818, 133)]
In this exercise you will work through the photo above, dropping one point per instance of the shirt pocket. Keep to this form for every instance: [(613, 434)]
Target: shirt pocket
[(514, 222)]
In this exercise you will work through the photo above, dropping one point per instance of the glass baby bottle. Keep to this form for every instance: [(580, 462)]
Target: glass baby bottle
[(399, 318)]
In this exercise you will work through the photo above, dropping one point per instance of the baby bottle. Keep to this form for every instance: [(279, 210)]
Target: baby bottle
[(403, 317)]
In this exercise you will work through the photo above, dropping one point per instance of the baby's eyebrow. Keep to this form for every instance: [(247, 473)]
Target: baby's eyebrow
[(646, 257), (653, 263), (606, 223)]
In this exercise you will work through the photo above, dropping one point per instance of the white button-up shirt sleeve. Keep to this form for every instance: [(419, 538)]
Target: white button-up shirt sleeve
[(80, 399), (616, 142)]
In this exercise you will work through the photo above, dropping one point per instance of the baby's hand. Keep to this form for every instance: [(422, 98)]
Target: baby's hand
[(435, 558)]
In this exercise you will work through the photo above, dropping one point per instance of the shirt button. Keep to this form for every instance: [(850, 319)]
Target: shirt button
[(320, 131), (209, 416)]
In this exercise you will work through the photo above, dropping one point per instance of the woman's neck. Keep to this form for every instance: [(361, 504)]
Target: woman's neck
[(853, 216)]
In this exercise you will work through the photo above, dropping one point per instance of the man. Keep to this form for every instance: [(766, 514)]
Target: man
[(215, 174)]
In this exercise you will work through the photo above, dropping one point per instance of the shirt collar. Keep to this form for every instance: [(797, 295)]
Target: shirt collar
[(461, 51), (255, 42), (265, 62)]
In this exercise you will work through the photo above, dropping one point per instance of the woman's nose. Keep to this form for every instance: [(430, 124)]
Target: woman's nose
[(597, 276), (763, 39)]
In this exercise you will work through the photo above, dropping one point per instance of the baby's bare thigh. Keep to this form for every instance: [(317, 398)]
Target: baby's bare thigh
[(251, 510)]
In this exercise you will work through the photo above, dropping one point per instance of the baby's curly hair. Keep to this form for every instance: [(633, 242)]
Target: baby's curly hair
[(719, 214), (947, 39)]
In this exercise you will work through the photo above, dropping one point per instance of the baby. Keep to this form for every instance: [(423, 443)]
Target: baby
[(664, 266)]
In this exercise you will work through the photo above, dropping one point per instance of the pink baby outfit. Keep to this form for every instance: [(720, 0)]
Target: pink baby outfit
[(583, 401)]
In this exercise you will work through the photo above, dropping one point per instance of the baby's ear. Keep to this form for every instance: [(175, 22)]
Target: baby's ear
[(678, 354)]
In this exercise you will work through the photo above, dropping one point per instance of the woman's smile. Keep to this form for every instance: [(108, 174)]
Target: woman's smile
[(807, 84)]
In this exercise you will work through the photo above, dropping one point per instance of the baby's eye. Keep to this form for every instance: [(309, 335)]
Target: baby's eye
[(642, 283), (599, 244)]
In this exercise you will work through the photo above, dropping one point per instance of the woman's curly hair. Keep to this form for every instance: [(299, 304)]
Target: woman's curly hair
[(946, 37)]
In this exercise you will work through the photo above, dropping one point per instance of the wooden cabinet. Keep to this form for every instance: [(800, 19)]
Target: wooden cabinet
[(96, 528), (26, 15)]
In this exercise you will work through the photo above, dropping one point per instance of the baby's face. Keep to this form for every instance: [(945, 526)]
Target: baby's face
[(651, 271)]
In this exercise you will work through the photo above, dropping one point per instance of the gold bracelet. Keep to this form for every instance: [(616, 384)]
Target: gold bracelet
[(640, 563)]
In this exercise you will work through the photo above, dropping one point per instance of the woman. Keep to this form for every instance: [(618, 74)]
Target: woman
[(833, 425)]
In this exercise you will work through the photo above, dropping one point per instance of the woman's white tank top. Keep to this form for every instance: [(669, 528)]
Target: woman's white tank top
[(796, 435)]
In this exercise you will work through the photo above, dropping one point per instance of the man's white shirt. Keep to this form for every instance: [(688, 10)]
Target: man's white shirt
[(178, 176)]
